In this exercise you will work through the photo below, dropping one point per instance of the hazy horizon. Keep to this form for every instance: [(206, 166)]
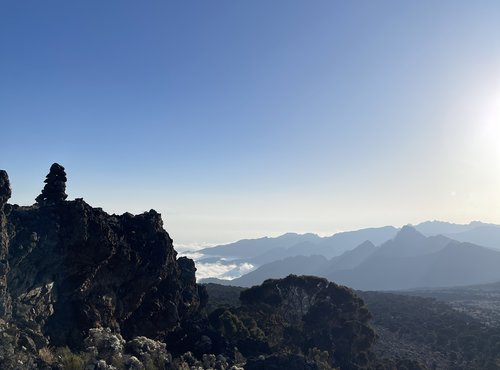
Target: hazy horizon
[(244, 119)]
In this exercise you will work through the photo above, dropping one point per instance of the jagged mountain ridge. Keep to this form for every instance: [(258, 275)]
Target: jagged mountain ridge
[(410, 260), (80, 288), (68, 267), (258, 252), (249, 248), (300, 265), (70, 270)]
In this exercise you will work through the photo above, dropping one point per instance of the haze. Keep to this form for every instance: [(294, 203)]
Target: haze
[(242, 119)]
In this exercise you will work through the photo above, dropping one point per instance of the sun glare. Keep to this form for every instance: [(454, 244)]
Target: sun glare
[(487, 130)]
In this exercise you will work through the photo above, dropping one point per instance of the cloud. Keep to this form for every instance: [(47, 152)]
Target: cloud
[(193, 255), (216, 270), (239, 270), (191, 247), (222, 270)]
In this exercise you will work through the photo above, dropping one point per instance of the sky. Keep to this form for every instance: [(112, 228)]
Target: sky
[(240, 119)]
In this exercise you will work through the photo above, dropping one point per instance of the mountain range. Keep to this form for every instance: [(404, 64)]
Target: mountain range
[(262, 250), (408, 260), (292, 244)]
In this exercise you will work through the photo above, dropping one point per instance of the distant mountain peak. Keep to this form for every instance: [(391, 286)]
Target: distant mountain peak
[(408, 232), (366, 244), (291, 235), (480, 224)]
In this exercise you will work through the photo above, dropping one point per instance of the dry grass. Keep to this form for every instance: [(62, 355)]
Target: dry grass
[(46, 355)]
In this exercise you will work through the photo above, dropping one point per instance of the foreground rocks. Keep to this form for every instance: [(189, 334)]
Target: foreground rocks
[(66, 267), (82, 289)]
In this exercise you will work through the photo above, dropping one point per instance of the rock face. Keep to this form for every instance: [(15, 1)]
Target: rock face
[(69, 267), (5, 191), (5, 194)]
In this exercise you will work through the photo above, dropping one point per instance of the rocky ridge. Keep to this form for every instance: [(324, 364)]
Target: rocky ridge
[(82, 289), (66, 267)]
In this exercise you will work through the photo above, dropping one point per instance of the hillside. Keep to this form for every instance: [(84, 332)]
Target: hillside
[(432, 332), (435, 334)]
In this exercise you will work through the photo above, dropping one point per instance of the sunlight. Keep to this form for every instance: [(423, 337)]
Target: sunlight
[(487, 130)]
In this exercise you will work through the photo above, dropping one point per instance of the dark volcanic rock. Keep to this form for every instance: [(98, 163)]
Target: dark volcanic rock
[(5, 194), (70, 267), (55, 186), (111, 289), (5, 191)]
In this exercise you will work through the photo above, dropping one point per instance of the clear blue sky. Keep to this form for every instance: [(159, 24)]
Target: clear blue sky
[(247, 118)]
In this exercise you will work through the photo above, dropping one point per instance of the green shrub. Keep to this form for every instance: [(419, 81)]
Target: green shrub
[(70, 360)]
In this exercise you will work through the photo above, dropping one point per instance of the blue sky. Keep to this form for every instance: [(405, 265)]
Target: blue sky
[(247, 118)]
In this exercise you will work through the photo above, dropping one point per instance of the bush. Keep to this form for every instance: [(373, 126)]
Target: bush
[(70, 360)]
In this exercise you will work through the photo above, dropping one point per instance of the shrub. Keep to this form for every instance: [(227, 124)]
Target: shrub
[(69, 360)]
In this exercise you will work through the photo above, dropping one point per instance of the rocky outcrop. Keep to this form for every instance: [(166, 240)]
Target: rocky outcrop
[(5, 194), (307, 313), (5, 191), (67, 267), (83, 289), (297, 322)]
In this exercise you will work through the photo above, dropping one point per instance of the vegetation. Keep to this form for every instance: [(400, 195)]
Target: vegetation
[(411, 332), (222, 296), (463, 342), (309, 317)]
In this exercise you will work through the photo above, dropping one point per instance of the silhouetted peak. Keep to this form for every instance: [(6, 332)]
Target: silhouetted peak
[(287, 235), (479, 224), (366, 245), (408, 232), (291, 235)]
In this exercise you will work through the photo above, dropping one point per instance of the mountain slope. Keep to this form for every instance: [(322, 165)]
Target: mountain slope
[(250, 248), (339, 243), (409, 242), (300, 265), (485, 235), (429, 228), (267, 249), (349, 259), (412, 261)]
